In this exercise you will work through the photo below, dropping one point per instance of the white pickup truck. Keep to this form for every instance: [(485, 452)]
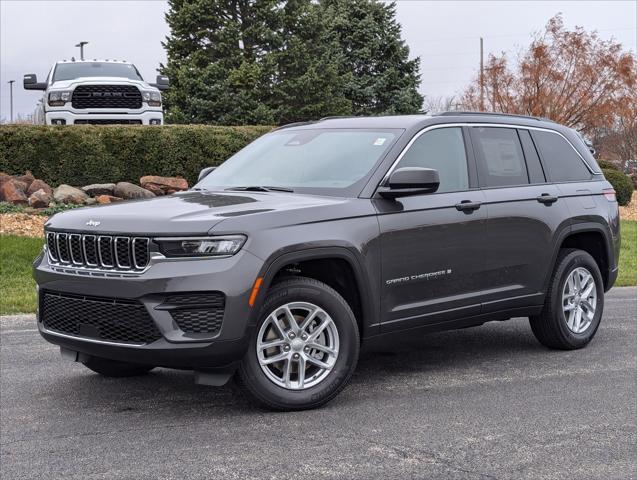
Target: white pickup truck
[(98, 92)]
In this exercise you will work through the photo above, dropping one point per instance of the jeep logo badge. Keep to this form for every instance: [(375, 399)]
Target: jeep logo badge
[(93, 223)]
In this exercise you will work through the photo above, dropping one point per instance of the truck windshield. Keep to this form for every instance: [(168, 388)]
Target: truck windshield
[(322, 161), (71, 71)]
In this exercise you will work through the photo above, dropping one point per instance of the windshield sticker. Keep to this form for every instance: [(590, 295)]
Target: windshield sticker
[(379, 141)]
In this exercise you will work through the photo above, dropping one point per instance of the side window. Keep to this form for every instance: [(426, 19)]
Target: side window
[(500, 158), (561, 162), (441, 149), (533, 165)]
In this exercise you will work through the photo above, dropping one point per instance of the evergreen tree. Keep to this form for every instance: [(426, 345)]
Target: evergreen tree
[(311, 78), (384, 80), (217, 60), (239, 62)]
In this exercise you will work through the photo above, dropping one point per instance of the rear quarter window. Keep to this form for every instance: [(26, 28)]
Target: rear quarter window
[(560, 160)]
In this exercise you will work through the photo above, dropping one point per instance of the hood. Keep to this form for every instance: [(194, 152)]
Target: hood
[(185, 213), (70, 84)]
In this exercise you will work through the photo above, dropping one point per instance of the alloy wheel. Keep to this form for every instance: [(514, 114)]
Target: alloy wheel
[(579, 300), (297, 345)]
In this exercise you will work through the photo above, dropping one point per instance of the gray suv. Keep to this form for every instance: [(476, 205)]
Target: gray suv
[(322, 236)]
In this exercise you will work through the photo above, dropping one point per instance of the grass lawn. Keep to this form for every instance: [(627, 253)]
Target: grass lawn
[(17, 288), (628, 255)]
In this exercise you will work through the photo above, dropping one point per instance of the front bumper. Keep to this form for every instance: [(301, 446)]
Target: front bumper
[(70, 118), (233, 276)]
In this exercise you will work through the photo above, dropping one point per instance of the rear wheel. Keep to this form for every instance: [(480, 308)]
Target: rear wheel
[(574, 303), (304, 348), (114, 368)]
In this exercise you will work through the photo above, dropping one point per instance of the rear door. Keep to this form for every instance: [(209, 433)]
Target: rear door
[(566, 168), (432, 246), (524, 212)]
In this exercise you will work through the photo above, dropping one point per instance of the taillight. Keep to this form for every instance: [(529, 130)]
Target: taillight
[(609, 193)]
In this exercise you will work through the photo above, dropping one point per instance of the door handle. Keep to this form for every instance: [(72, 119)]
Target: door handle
[(467, 206), (547, 199)]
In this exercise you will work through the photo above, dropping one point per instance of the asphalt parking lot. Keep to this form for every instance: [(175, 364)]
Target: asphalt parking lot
[(485, 402)]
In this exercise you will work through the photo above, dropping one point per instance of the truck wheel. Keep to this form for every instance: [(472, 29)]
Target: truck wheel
[(304, 348), (574, 303), (113, 368)]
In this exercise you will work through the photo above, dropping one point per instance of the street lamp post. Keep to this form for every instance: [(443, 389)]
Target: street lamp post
[(81, 45), (11, 82)]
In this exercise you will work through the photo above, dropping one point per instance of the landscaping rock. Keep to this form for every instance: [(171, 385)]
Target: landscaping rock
[(13, 191), (99, 189), (156, 189), (4, 177), (90, 201), (68, 194), (130, 191), (40, 199), (102, 199), (27, 178), (167, 185), (19, 184), (39, 185)]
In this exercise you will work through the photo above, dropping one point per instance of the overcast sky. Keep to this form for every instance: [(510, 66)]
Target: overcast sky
[(34, 34)]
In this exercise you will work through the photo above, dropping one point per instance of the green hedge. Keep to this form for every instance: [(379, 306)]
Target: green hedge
[(608, 165), (622, 184), (96, 154)]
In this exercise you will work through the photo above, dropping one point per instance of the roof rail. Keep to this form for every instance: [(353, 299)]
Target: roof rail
[(293, 124), (492, 114), (336, 117)]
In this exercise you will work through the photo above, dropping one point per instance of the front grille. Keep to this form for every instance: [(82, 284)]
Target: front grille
[(196, 312), (106, 96), (107, 122), (101, 318), (98, 252)]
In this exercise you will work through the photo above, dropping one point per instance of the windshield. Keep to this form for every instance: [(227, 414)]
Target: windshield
[(71, 71), (326, 161)]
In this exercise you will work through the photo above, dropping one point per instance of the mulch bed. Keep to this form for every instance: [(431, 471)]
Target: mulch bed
[(22, 224), (629, 212)]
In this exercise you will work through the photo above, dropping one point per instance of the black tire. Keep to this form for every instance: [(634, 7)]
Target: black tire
[(263, 391), (550, 327), (113, 368)]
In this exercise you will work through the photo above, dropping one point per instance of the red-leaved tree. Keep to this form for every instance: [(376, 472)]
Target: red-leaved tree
[(572, 77)]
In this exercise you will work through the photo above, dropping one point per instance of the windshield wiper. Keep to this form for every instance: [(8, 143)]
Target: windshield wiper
[(261, 188)]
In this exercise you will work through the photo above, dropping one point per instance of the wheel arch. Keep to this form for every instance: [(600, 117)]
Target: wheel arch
[(592, 237), (366, 311)]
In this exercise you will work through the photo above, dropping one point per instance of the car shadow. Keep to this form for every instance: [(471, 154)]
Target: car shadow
[(174, 392)]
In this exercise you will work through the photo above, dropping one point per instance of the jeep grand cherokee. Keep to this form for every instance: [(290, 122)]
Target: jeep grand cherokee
[(320, 236)]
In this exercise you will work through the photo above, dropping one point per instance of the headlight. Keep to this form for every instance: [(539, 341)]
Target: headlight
[(152, 98), (201, 246), (59, 98)]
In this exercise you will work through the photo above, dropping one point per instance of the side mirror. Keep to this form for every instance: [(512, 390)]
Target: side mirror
[(162, 82), (204, 173), (410, 181), (30, 82)]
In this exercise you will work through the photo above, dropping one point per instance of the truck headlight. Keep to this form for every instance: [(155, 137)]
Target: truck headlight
[(59, 98), (152, 98), (201, 246)]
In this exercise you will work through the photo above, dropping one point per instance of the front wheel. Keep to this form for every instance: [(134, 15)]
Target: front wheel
[(574, 303), (304, 348)]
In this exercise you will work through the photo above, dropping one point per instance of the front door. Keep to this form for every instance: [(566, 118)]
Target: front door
[(432, 245)]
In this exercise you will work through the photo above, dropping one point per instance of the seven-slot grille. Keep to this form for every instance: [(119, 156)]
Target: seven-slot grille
[(107, 96), (99, 252)]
